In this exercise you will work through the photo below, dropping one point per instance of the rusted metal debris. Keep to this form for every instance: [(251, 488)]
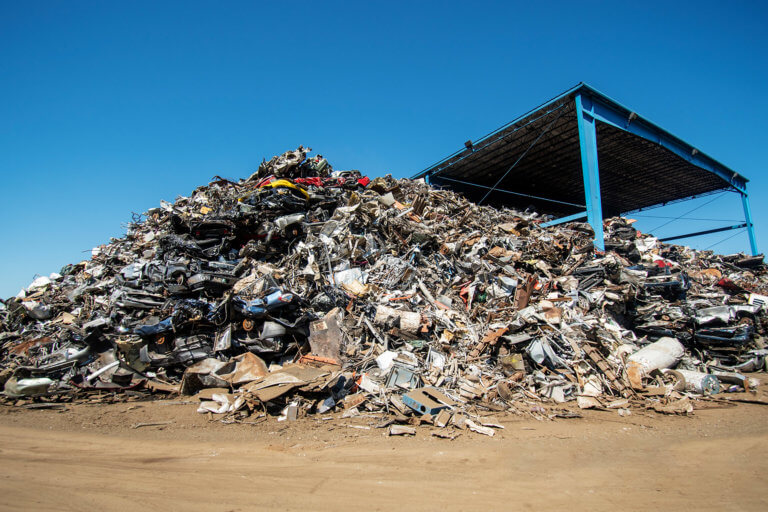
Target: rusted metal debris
[(302, 290)]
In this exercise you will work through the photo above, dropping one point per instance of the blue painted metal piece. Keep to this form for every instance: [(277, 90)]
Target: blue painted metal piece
[(748, 220), (589, 167), (563, 220)]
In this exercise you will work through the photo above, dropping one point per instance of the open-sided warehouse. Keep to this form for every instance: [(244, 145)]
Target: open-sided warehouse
[(584, 155)]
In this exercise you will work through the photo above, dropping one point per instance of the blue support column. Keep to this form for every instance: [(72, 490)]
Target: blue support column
[(748, 220), (589, 167)]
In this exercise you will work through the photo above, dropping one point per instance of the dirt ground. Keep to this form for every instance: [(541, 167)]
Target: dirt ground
[(88, 457)]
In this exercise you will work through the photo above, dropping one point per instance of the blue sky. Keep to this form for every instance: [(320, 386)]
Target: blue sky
[(108, 107)]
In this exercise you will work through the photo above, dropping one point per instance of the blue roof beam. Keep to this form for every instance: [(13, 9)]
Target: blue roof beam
[(594, 104)]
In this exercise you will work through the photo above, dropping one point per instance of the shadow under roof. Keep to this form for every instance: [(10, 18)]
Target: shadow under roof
[(535, 161)]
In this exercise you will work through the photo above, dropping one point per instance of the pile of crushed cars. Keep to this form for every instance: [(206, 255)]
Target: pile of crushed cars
[(303, 290)]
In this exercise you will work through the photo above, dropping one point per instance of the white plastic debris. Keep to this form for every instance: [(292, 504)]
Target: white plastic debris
[(38, 283)]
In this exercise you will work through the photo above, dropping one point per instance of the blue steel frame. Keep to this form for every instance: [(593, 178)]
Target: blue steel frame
[(590, 171), (593, 106), (748, 220)]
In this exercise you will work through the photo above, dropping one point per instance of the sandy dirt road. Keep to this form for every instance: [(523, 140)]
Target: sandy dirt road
[(89, 458)]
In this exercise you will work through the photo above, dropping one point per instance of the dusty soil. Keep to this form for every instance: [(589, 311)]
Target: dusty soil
[(88, 457)]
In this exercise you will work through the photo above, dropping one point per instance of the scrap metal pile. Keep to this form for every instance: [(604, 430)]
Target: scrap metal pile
[(302, 290)]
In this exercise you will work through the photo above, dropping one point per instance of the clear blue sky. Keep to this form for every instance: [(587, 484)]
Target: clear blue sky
[(108, 107)]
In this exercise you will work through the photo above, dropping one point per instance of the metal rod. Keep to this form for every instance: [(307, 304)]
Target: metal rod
[(706, 232), (441, 178), (684, 218), (675, 201), (686, 213)]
